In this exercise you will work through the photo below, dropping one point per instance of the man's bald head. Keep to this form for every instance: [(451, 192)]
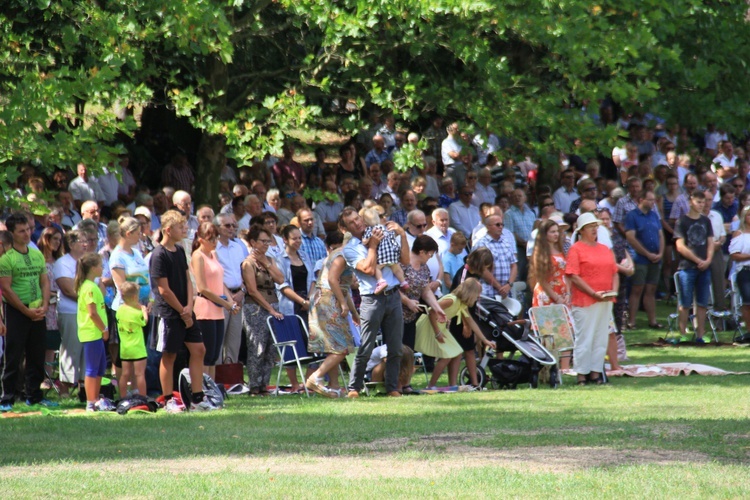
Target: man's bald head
[(587, 206)]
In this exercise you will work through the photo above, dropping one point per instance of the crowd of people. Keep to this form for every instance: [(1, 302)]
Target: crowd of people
[(110, 270)]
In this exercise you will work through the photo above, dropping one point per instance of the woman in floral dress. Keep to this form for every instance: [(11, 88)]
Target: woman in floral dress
[(330, 330), (548, 267)]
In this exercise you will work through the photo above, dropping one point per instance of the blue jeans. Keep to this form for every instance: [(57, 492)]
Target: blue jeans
[(693, 280)]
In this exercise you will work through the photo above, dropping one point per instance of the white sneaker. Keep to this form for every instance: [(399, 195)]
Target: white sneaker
[(204, 405), (173, 406), (105, 404)]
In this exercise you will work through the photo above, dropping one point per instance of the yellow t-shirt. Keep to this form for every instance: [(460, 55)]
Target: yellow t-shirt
[(90, 294)]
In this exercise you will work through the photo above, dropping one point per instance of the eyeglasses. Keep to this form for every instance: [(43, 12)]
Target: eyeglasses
[(420, 226), (498, 224), (471, 177), (592, 188), (229, 226), (265, 242), (548, 205), (467, 193)]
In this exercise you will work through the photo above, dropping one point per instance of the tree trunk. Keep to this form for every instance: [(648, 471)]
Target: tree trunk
[(212, 149), (209, 163)]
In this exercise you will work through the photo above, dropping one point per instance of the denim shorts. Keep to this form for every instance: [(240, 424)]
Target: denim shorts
[(693, 280)]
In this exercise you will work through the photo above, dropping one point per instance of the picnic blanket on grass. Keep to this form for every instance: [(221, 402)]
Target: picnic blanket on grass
[(665, 370)]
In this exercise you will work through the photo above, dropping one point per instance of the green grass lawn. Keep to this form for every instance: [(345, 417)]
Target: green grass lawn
[(662, 438)]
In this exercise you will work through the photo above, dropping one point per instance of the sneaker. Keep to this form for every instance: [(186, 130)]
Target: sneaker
[(380, 286), (6, 407), (173, 406), (204, 405), (44, 402), (105, 404), (700, 341), (316, 385), (91, 409)]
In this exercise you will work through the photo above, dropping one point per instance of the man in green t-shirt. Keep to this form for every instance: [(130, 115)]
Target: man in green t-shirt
[(25, 290)]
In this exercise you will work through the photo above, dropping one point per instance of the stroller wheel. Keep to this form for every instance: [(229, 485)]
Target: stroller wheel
[(464, 378), (534, 381), (554, 377)]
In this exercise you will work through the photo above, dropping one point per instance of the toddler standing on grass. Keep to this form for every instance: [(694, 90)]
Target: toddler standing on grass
[(131, 318), (92, 329)]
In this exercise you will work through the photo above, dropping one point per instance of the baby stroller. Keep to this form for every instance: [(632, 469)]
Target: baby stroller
[(499, 324)]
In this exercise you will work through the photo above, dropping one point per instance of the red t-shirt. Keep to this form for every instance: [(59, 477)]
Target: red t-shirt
[(595, 265)]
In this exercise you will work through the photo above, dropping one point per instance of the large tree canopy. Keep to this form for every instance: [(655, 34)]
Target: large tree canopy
[(245, 73)]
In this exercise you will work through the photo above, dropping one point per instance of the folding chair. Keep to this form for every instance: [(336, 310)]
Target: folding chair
[(50, 370), (713, 316), (289, 336), (736, 301), (554, 326)]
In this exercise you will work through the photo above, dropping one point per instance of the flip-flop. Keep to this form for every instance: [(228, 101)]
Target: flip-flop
[(656, 326)]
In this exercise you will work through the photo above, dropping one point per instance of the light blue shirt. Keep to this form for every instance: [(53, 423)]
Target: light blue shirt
[(231, 257), (329, 211), (355, 251)]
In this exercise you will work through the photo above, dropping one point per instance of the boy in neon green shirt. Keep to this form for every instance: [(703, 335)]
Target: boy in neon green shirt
[(131, 318)]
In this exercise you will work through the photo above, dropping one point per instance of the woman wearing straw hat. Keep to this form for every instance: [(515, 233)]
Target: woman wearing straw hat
[(592, 271)]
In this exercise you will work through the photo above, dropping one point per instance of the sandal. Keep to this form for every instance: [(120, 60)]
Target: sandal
[(582, 381), (656, 326), (597, 381)]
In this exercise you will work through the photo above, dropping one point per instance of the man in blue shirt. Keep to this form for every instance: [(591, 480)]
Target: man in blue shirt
[(377, 312), (644, 234)]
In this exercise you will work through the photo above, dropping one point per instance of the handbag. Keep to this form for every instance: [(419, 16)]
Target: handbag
[(230, 373)]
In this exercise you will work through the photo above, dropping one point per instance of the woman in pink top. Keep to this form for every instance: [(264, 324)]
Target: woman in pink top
[(592, 270), (212, 296)]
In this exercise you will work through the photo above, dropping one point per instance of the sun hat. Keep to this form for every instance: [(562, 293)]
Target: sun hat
[(143, 211), (557, 217), (585, 220)]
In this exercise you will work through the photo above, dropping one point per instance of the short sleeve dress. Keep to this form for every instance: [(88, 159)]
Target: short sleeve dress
[(330, 332), (556, 281), (426, 343)]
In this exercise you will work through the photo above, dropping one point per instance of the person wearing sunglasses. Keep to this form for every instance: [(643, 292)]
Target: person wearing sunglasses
[(231, 253), (587, 190)]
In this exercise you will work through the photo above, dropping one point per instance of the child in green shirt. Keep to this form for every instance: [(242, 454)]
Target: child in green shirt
[(92, 329), (131, 318)]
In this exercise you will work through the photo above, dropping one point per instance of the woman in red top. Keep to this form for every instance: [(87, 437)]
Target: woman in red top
[(592, 271)]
